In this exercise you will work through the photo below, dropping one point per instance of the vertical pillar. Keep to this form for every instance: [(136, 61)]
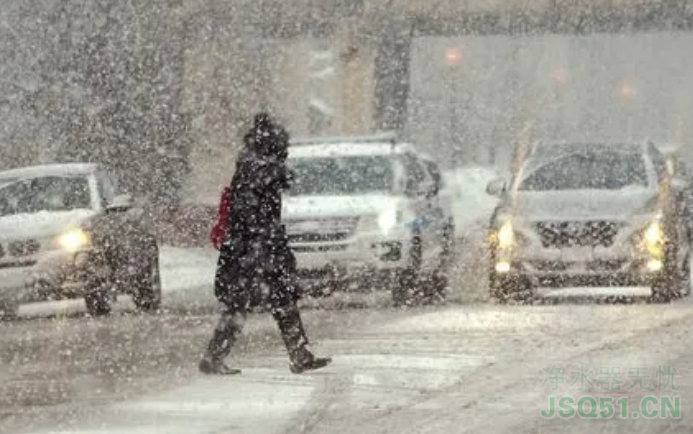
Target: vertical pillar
[(354, 78), (392, 58)]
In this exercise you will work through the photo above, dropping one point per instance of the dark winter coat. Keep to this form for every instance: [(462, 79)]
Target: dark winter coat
[(256, 248)]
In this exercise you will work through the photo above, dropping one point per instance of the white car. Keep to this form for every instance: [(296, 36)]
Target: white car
[(65, 233), (368, 209)]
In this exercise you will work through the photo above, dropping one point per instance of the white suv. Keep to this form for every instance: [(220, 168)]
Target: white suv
[(366, 209)]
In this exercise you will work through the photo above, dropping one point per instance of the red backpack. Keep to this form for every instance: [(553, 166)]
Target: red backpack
[(220, 228)]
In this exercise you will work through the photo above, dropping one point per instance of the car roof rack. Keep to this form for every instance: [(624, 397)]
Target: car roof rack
[(382, 137)]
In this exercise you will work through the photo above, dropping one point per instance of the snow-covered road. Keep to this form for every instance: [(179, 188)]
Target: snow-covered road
[(468, 368), (455, 369)]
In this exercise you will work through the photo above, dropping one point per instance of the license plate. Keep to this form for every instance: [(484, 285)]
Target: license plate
[(577, 254), (300, 227)]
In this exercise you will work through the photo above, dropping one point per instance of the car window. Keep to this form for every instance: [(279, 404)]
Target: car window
[(589, 170), (50, 193), (341, 175)]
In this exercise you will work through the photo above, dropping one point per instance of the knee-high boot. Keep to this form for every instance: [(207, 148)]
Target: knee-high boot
[(224, 337), (293, 333)]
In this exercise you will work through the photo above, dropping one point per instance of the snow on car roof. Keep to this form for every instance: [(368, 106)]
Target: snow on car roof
[(573, 147), (347, 149), (543, 153), (64, 169)]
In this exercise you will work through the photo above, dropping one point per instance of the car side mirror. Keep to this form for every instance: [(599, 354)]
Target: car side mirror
[(437, 186), (497, 187), (411, 189), (121, 203)]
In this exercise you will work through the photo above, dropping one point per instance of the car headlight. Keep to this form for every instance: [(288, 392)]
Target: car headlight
[(506, 235), (653, 235), (652, 239), (388, 220), (73, 240)]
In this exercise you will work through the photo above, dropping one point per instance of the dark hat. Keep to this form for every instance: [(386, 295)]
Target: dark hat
[(262, 120)]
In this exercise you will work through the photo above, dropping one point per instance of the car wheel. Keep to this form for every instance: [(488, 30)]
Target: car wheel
[(439, 280), (8, 311), (406, 285), (663, 290), (98, 302), (437, 286), (674, 282), (510, 289), (147, 291), (686, 278)]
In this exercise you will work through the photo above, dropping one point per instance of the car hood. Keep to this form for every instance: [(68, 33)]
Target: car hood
[(41, 224), (583, 205), (299, 207)]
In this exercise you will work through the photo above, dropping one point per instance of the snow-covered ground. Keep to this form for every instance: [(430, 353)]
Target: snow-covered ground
[(462, 369)]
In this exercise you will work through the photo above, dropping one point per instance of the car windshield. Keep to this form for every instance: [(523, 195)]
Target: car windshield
[(341, 175), (589, 171), (50, 193)]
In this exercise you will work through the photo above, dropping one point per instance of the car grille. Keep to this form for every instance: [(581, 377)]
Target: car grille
[(577, 234), (320, 231), (592, 266), (18, 249)]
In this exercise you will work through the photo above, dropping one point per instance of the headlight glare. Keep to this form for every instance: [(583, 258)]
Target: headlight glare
[(654, 235), (506, 235), (73, 240), (388, 220)]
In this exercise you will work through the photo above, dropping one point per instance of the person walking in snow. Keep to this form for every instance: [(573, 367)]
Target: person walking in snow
[(255, 254)]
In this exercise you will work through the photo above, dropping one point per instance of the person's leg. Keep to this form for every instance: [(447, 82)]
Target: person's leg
[(233, 298), (286, 314), (225, 334)]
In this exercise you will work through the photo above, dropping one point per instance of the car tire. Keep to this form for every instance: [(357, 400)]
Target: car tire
[(147, 291), (9, 311), (663, 290), (439, 281), (98, 302), (437, 287), (686, 278), (514, 289), (406, 285), (671, 285)]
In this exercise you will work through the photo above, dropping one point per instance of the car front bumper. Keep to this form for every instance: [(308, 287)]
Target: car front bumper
[(51, 275), (361, 257), (619, 265)]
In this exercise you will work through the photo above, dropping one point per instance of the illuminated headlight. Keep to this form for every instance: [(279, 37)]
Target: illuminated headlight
[(654, 265), (506, 236), (651, 239), (73, 240), (388, 220), (502, 267), (653, 235)]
